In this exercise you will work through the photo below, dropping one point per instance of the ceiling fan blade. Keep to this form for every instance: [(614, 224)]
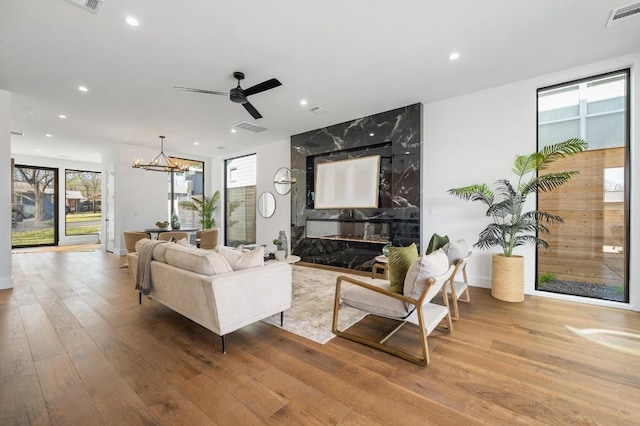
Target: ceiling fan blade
[(261, 87), (252, 110), (209, 92)]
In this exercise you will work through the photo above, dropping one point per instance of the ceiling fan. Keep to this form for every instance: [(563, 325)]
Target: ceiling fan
[(238, 94)]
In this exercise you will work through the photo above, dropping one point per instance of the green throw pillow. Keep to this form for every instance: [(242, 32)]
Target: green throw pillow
[(436, 242), (400, 260)]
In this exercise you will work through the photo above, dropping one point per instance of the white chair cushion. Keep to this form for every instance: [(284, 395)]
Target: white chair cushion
[(375, 303), (423, 268), (456, 250), (240, 259), (205, 262)]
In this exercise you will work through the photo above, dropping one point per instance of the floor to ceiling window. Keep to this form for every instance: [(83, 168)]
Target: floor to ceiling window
[(182, 187), (588, 254), (83, 209), (34, 215), (240, 200)]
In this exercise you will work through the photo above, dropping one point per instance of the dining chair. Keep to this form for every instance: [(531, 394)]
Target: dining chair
[(209, 238), (414, 305), (130, 239), (178, 235)]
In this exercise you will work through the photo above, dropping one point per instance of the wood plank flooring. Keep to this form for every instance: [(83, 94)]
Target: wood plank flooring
[(77, 349)]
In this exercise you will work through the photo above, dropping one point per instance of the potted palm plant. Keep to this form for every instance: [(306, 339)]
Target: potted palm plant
[(205, 206), (511, 226)]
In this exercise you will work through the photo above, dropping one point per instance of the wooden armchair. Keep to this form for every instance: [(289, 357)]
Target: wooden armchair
[(414, 305)]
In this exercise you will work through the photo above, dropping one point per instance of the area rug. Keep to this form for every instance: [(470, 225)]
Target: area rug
[(311, 312)]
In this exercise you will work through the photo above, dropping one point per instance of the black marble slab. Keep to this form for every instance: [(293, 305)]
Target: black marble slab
[(396, 136)]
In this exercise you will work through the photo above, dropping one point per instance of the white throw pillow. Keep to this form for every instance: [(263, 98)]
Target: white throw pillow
[(205, 262), (242, 260), (423, 268), (456, 250)]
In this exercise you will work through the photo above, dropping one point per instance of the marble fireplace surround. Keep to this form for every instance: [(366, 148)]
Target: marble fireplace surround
[(357, 235)]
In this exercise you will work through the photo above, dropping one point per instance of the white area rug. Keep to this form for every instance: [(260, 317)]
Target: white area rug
[(311, 310)]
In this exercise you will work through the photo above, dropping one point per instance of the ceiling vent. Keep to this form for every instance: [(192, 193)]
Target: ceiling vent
[(90, 5), (17, 133), (317, 110), (623, 13), (245, 125)]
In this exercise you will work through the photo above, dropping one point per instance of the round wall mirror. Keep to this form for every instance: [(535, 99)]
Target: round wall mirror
[(266, 204), (282, 180)]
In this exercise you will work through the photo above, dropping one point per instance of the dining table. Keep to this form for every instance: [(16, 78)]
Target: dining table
[(154, 232)]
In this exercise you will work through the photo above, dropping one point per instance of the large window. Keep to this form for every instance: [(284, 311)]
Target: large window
[(82, 202), (34, 215), (182, 187), (240, 200), (588, 254)]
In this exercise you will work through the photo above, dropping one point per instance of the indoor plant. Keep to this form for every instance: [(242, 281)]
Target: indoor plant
[(511, 226), (205, 206), (280, 253)]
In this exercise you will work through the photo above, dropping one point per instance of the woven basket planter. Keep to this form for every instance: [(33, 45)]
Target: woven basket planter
[(507, 278)]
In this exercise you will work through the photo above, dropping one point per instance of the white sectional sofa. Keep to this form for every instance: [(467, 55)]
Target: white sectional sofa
[(194, 283)]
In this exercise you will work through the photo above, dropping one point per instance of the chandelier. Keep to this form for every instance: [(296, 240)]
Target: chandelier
[(161, 163)]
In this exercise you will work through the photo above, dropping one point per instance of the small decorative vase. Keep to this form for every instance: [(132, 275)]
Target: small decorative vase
[(175, 224), (282, 236), (385, 249), (280, 255)]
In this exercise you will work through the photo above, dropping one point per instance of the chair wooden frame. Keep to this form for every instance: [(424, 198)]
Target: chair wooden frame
[(427, 316), (459, 290)]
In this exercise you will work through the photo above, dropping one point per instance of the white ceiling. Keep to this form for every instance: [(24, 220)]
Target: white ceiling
[(352, 57)]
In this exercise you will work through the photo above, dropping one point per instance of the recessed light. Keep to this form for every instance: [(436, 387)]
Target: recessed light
[(131, 21), (196, 143), (303, 102), (49, 135), (62, 116), (83, 88), (233, 130), (454, 56), (37, 150), (371, 134)]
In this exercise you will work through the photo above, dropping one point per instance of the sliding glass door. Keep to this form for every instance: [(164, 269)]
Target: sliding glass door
[(34, 213), (588, 254)]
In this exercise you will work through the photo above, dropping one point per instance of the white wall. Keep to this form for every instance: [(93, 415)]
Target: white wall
[(5, 189), (62, 165), (270, 157), (474, 138)]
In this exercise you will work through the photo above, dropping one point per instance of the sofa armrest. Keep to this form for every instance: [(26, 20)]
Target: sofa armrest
[(244, 297)]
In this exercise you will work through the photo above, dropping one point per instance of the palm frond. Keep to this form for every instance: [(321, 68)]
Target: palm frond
[(559, 150), (474, 193)]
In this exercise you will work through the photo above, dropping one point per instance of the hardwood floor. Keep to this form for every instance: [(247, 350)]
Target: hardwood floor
[(76, 348)]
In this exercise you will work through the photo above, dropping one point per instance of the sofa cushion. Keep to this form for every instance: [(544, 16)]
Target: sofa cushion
[(240, 259), (456, 250), (371, 301), (400, 259), (205, 262), (423, 268), (158, 251)]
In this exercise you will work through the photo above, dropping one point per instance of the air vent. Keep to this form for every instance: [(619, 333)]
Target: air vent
[(317, 110), (623, 13), (17, 133), (245, 125), (90, 5)]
